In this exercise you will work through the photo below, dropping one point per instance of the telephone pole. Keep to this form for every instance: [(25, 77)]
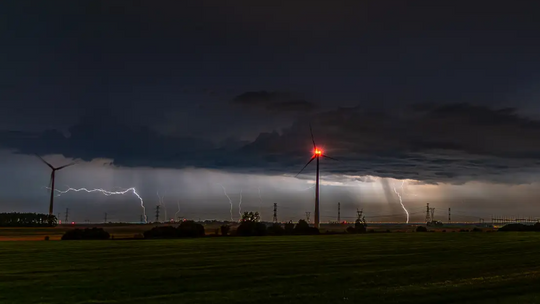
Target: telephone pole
[(449, 216), (157, 214), (67, 214), (339, 212), (427, 214), (275, 213)]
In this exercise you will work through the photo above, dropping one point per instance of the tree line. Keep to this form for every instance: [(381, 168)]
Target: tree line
[(16, 219)]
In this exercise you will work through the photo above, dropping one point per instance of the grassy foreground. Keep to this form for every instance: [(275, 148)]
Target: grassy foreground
[(372, 268)]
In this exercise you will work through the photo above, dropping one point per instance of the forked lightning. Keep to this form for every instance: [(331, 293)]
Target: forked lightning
[(108, 193)]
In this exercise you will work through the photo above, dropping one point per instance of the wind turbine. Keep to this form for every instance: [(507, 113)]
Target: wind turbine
[(318, 153), (51, 182)]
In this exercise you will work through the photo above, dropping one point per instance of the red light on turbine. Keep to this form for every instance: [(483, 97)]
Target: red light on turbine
[(72, 223), (318, 152)]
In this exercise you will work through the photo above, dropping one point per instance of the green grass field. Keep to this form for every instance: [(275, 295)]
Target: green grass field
[(371, 268)]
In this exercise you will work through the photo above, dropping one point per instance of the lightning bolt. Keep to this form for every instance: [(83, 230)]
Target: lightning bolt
[(240, 205), (176, 214), (310, 187), (401, 200), (109, 193), (230, 201)]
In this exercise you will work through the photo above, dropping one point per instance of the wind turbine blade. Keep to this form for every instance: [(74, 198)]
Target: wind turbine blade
[(312, 138), (45, 162), (305, 165), (65, 166), (330, 157)]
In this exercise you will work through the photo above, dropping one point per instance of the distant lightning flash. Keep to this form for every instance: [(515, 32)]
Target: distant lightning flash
[(240, 205), (310, 187), (230, 201), (401, 200), (109, 193), (176, 214)]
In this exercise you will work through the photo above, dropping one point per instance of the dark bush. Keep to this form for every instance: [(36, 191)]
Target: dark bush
[(359, 227), (463, 230), (275, 229), (520, 227), (225, 229), (86, 234), (15, 219), (46, 238), (161, 232), (421, 229), (302, 227), (190, 229), (249, 228), (476, 229), (250, 225), (289, 228)]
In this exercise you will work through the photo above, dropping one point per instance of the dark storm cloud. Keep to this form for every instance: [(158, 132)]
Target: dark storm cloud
[(173, 67), (274, 101), (448, 143), (292, 106)]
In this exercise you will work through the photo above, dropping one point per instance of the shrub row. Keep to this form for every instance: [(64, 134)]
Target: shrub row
[(184, 230), (15, 219), (520, 227)]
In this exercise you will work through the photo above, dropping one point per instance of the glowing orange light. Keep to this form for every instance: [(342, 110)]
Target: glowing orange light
[(318, 152)]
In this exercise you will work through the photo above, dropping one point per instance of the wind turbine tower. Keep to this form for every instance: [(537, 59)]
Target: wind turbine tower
[(318, 153), (51, 182)]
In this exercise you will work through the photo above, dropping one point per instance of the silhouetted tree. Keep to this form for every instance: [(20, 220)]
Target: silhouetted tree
[(225, 230), (190, 229), (16, 219), (520, 227), (251, 216), (161, 232), (360, 226), (276, 229), (250, 225), (302, 227), (289, 228)]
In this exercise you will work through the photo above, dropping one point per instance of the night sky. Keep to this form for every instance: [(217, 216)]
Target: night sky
[(190, 97)]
